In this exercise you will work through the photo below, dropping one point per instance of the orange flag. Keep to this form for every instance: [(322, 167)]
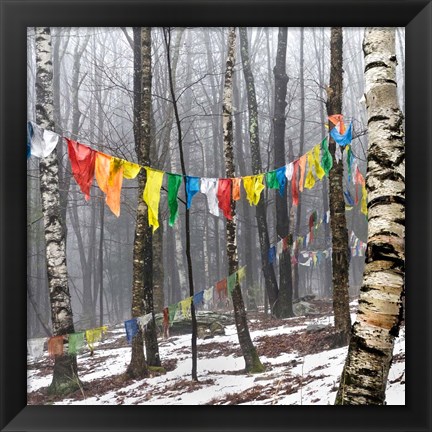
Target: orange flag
[(109, 176), (236, 188), (337, 120), (302, 165)]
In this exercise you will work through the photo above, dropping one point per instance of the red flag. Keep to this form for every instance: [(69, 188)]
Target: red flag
[(82, 160), (294, 186), (224, 197), (221, 289)]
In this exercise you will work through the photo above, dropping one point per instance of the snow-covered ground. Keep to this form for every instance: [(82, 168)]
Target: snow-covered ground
[(292, 377)]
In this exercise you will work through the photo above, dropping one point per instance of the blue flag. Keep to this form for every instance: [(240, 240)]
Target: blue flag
[(29, 138), (342, 139), (198, 298), (272, 254), (131, 327), (192, 187), (281, 178)]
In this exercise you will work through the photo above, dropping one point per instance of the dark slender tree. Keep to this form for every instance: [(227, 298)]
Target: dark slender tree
[(284, 304), (268, 269), (340, 250), (253, 363)]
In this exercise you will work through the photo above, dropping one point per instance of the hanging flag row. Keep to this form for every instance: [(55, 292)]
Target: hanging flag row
[(76, 342), (214, 296), (87, 163)]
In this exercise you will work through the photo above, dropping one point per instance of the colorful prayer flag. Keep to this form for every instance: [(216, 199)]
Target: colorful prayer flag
[(236, 188), (326, 158), (318, 168), (131, 327), (209, 188), (76, 342), (224, 197), (198, 299), (342, 138), (151, 195), (192, 187), (302, 165), (231, 282), (185, 306), (43, 141), (55, 346), (82, 159), (174, 182), (294, 187), (253, 186), (310, 179)]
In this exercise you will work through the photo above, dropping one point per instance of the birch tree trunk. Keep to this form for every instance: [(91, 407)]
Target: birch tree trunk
[(284, 305), (65, 375), (380, 312), (142, 256), (268, 269), (340, 250), (252, 361)]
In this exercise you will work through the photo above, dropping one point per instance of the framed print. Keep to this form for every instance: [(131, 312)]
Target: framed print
[(145, 258)]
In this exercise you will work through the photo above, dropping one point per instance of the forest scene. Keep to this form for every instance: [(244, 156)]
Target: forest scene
[(215, 216)]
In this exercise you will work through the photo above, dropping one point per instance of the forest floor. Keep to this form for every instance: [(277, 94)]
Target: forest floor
[(302, 368)]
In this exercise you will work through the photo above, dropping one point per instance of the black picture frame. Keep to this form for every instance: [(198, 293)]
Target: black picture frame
[(16, 15)]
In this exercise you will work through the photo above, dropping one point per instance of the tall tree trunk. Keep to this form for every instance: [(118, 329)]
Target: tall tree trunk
[(268, 269), (284, 305), (301, 151), (340, 262), (327, 239), (252, 361), (158, 270), (167, 37), (380, 312), (150, 333), (65, 375), (101, 242), (249, 236), (142, 259)]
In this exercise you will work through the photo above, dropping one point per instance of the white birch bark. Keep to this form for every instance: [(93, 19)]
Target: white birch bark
[(380, 304), (65, 368)]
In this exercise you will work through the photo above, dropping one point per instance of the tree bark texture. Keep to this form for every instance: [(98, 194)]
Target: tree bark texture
[(268, 269), (167, 37), (252, 361), (65, 375), (340, 262), (298, 210), (380, 312), (284, 305), (142, 256)]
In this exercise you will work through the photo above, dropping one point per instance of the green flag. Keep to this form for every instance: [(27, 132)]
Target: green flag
[(172, 309), (232, 279), (174, 181), (326, 158), (76, 342), (271, 180)]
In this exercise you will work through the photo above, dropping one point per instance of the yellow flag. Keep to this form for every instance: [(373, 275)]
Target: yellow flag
[(94, 335), (253, 186), (241, 273), (151, 195), (364, 209), (130, 170), (320, 173), (185, 306), (310, 179)]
